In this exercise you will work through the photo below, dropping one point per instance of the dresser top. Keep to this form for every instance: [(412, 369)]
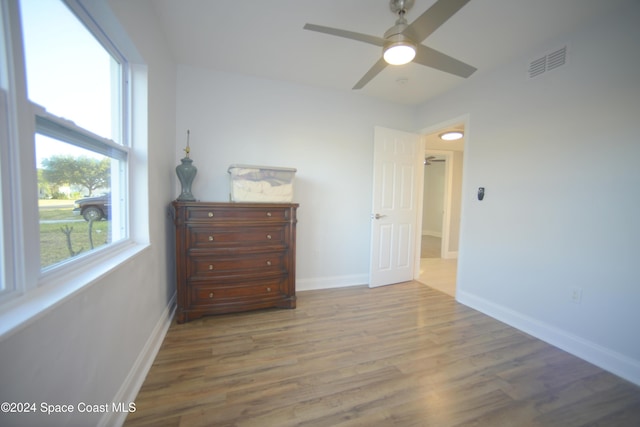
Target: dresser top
[(236, 204)]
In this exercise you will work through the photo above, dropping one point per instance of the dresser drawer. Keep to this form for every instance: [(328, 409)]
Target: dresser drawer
[(257, 263), (207, 237), (237, 214), (215, 294)]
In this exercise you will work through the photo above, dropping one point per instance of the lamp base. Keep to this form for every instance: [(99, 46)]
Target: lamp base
[(186, 173)]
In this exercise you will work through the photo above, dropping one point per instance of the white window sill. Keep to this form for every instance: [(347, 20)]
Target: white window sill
[(26, 309)]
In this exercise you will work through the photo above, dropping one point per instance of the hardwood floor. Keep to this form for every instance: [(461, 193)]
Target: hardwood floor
[(400, 355)]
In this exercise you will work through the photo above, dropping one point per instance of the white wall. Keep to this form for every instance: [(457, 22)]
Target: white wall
[(558, 156), (326, 135), (88, 346)]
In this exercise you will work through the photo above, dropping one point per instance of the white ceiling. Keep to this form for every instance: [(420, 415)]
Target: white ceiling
[(265, 39)]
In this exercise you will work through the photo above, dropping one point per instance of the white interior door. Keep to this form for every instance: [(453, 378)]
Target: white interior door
[(397, 169)]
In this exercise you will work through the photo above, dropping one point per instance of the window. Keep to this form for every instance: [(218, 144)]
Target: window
[(76, 86), (5, 230), (4, 236), (6, 280), (67, 101)]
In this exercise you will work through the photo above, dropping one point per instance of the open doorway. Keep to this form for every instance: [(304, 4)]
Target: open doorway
[(442, 195), (433, 206)]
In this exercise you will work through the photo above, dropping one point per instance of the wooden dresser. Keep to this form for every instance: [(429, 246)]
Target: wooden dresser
[(234, 257)]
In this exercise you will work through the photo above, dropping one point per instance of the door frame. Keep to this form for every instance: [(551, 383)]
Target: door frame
[(464, 122)]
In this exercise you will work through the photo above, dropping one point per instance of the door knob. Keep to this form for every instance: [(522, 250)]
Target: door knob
[(377, 216)]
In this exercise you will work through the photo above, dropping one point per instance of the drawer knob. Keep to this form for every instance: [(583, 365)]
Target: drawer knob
[(268, 214), (268, 289), (268, 262), (210, 266), (269, 236), (210, 214), (210, 294), (211, 238)]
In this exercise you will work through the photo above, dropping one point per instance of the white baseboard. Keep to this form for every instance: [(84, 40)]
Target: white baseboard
[(433, 233), (451, 255), (331, 282), (596, 354), (132, 384)]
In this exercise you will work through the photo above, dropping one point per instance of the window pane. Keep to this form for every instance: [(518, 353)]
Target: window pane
[(68, 71), (79, 200)]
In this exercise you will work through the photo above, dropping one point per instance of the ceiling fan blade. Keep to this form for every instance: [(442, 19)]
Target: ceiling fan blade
[(432, 19), (430, 159), (438, 60), (377, 41), (373, 71)]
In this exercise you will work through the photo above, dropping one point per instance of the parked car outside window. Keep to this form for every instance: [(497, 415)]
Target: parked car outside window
[(93, 208)]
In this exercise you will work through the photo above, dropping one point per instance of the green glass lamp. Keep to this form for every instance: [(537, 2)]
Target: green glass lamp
[(186, 173)]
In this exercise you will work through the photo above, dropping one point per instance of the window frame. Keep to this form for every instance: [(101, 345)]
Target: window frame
[(29, 291), (6, 235), (68, 132)]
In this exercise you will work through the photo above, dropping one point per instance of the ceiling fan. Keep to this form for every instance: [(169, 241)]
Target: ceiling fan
[(406, 39), (432, 159)]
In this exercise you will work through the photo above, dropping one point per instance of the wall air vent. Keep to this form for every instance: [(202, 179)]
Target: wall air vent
[(548, 62)]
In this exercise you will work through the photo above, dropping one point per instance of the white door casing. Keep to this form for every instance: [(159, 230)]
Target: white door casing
[(397, 168)]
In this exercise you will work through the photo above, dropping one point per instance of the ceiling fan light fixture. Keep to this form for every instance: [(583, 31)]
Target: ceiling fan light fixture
[(452, 135), (402, 43), (399, 53)]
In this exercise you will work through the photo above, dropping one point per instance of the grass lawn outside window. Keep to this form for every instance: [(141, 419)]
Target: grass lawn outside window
[(64, 235)]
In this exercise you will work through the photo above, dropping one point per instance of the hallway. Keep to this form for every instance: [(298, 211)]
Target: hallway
[(436, 272)]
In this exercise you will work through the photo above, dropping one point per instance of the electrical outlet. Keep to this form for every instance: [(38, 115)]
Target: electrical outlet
[(576, 295)]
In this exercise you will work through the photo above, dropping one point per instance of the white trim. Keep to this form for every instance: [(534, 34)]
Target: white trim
[(596, 354), (450, 255), (66, 131), (419, 184), (331, 282), (138, 373), (463, 119), (6, 228)]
